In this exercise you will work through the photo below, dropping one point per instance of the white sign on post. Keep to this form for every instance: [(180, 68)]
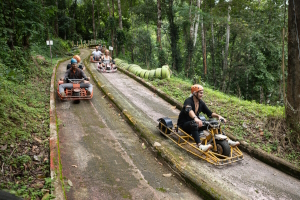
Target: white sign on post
[(111, 48), (49, 42)]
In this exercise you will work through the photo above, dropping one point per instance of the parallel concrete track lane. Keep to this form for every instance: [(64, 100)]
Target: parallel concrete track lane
[(103, 157), (250, 177)]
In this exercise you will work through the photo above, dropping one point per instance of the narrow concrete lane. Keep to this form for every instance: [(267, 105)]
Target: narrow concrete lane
[(103, 158), (250, 177)]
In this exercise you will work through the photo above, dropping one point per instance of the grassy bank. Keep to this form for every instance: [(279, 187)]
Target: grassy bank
[(262, 126), (24, 125)]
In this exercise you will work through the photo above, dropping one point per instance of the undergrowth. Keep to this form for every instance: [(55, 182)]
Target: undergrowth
[(24, 124), (262, 126)]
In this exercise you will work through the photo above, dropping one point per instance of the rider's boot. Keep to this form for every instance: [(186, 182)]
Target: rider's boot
[(205, 147), (233, 143)]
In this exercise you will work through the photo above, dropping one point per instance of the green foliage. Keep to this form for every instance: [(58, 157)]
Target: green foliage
[(60, 48), (24, 115), (255, 42), (121, 38), (111, 23)]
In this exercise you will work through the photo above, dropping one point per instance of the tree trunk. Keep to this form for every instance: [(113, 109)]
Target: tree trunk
[(74, 13), (189, 40), (203, 47), (98, 21), (120, 22), (11, 23), (108, 8), (93, 17), (191, 21), (173, 31), (197, 24), (213, 52), (159, 23), (74, 17), (293, 83), (261, 96), (120, 15), (283, 64), (225, 65), (132, 54), (26, 40), (112, 28), (56, 19)]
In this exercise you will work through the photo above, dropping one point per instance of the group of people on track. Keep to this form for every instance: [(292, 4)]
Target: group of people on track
[(101, 56), (188, 119)]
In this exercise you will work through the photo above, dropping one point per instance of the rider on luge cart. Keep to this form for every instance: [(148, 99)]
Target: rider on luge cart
[(80, 65), (96, 57), (107, 62), (188, 118), (75, 73)]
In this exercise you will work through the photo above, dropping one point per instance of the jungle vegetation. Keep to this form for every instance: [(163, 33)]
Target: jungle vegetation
[(244, 48)]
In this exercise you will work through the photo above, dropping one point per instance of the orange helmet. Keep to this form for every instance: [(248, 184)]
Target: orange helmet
[(77, 57), (196, 88)]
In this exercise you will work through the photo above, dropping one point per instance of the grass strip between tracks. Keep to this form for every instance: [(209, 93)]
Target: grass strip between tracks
[(206, 188)]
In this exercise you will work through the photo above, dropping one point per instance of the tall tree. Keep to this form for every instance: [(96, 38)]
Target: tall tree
[(174, 35), (213, 52), (112, 28), (197, 23), (158, 37), (293, 83), (56, 18), (111, 22), (189, 38), (225, 61), (120, 22), (93, 2), (192, 19), (108, 7), (203, 45)]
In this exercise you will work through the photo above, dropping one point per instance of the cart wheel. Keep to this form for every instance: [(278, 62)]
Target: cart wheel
[(163, 128), (76, 101), (223, 147), (163, 123)]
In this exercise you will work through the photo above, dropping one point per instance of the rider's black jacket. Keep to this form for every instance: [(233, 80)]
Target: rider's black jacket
[(79, 74), (184, 116)]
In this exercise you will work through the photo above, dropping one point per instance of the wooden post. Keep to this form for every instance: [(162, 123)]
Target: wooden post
[(77, 43)]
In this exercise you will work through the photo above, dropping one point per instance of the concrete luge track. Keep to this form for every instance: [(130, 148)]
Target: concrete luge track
[(103, 157), (250, 178)]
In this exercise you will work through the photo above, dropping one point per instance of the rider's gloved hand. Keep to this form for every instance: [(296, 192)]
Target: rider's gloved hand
[(67, 80)]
